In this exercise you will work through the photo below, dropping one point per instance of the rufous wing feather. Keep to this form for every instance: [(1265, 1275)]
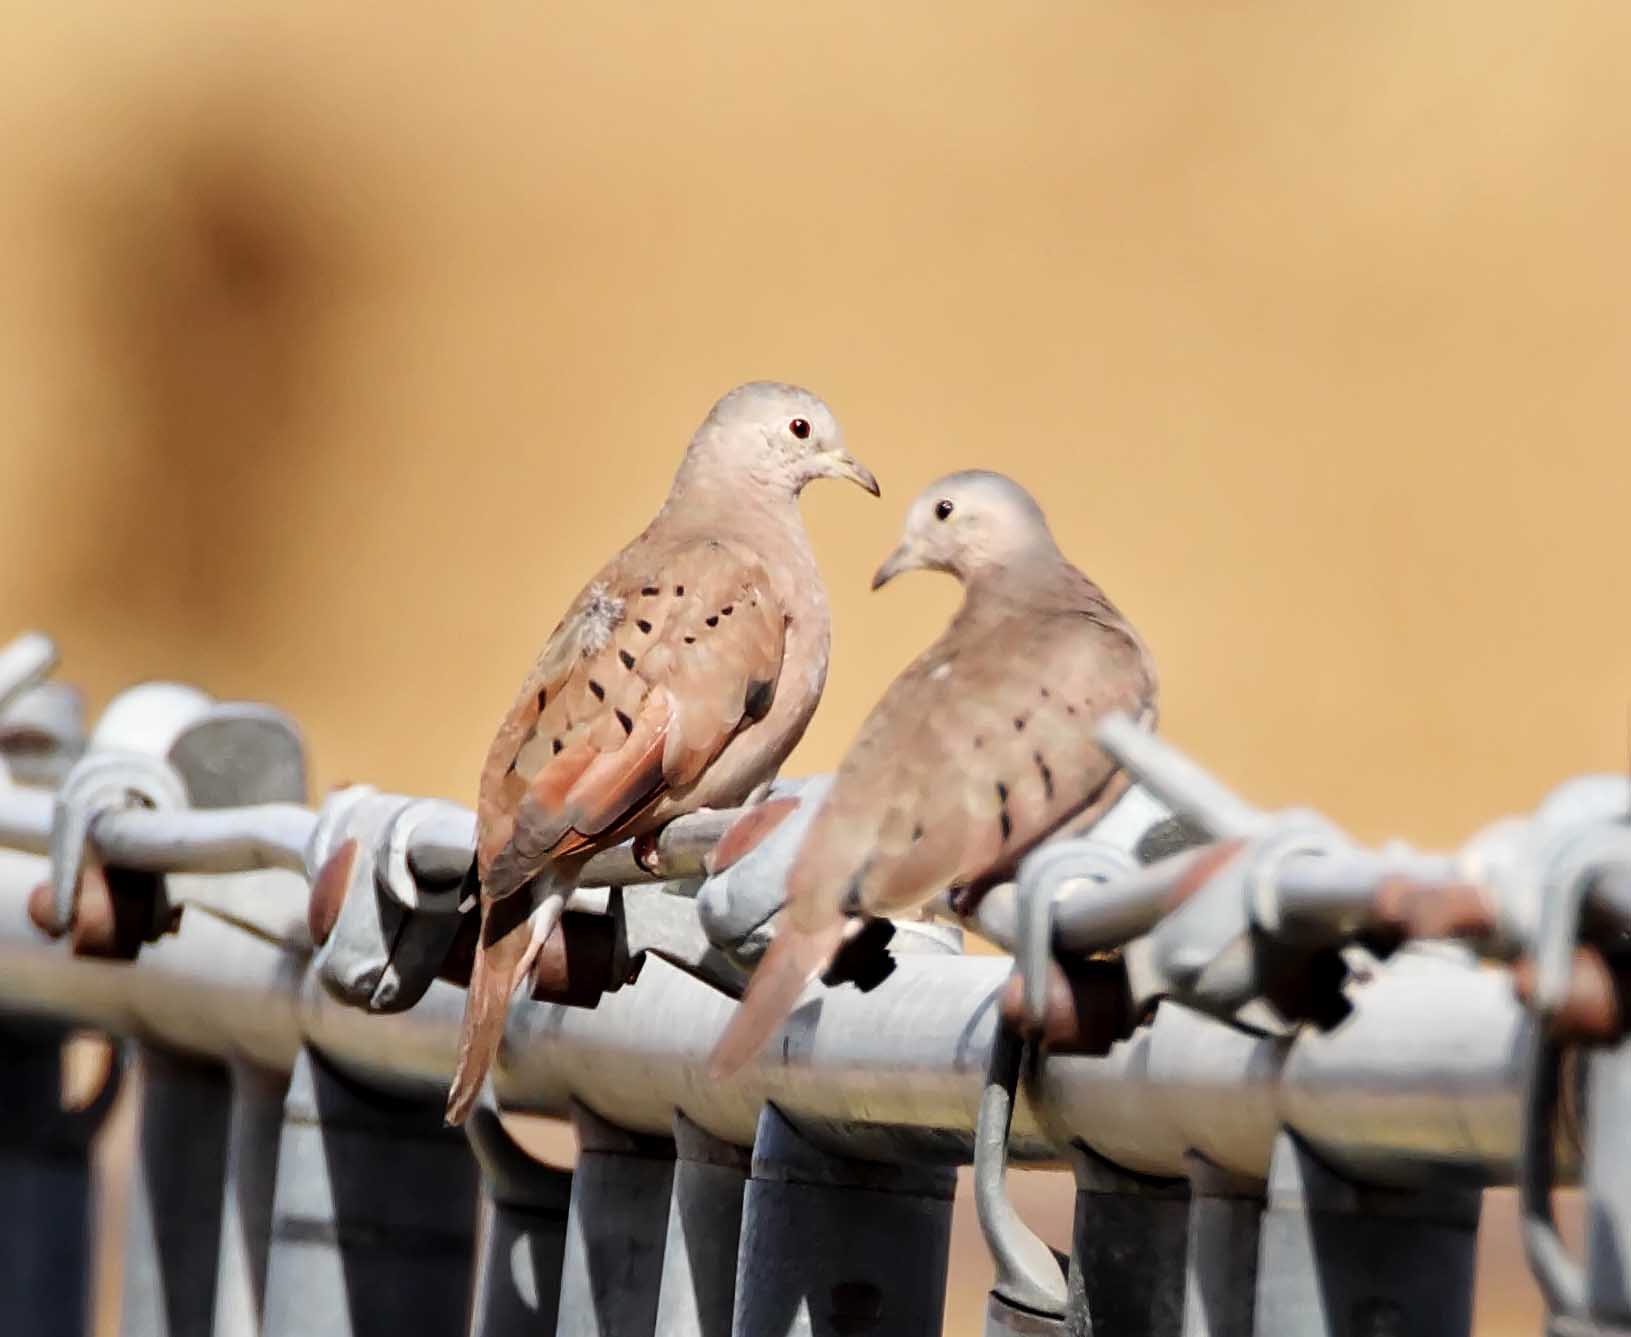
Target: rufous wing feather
[(503, 944)]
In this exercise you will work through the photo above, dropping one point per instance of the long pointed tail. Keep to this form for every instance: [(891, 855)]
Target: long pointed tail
[(794, 959), (512, 932)]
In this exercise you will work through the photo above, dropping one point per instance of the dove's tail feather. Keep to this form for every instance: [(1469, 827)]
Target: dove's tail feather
[(513, 930), (796, 956)]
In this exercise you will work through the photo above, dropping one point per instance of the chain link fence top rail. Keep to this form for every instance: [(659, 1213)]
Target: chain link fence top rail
[(1282, 1066)]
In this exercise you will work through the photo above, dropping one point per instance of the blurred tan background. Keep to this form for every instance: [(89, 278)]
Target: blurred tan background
[(339, 343)]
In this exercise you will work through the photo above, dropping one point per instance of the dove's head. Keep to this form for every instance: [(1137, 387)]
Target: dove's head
[(969, 524), (777, 435)]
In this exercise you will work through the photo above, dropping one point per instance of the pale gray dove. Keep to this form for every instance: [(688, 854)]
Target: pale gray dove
[(979, 750), (680, 678)]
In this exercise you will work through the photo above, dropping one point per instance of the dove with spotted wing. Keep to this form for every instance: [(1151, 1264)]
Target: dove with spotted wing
[(680, 678), (980, 750)]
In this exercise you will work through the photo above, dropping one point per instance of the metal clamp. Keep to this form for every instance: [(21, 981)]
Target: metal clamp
[(1576, 861), (99, 783), (1223, 948), (25, 662), (41, 726), (1046, 876), (381, 934), (1028, 1274)]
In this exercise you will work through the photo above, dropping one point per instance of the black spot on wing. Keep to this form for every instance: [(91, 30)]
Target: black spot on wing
[(625, 721), (597, 689), (1047, 775), (756, 705), (627, 658)]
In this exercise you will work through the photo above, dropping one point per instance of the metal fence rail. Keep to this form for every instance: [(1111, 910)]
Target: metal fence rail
[(1280, 1095)]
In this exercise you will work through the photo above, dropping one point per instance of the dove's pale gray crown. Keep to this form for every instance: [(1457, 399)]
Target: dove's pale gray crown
[(772, 435), (969, 524)]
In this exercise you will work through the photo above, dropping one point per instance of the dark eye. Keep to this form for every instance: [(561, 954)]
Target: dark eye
[(942, 510), (799, 428)]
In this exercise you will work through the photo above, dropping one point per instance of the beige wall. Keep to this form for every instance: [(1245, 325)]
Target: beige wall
[(338, 342)]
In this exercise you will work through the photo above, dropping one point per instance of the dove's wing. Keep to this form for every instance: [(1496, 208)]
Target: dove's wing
[(654, 669), (978, 751)]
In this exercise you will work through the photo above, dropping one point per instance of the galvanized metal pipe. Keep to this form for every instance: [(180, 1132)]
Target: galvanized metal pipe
[(832, 1246), (1128, 1254), (24, 662), (1336, 1259), (616, 1228), (523, 1234), (275, 835), (1420, 1081), (173, 1222), (374, 1215), (698, 1291)]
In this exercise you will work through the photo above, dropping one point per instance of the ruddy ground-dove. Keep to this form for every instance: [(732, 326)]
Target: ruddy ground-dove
[(980, 749), (680, 678)]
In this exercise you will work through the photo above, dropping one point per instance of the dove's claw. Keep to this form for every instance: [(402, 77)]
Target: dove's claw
[(646, 853)]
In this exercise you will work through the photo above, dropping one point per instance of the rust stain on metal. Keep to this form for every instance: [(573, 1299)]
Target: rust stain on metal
[(1435, 909), (1592, 1009), (576, 963), (1087, 1009), (328, 891)]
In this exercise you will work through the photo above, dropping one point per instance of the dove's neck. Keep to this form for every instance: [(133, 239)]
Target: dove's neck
[(730, 503), (1043, 580), (709, 502)]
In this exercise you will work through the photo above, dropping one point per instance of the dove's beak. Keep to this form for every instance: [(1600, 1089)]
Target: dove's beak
[(902, 559), (841, 464)]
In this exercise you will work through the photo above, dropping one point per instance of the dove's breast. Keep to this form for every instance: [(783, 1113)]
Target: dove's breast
[(756, 752)]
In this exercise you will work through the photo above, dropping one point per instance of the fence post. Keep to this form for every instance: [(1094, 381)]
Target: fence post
[(833, 1247), (373, 1220), (523, 1234), (173, 1222), (615, 1231), (1220, 1271), (1607, 1182), (698, 1291), (45, 1185), (1338, 1260), (1128, 1251), (253, 1127)]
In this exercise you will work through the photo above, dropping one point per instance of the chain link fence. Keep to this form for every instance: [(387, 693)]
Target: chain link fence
[(1282, 1066)]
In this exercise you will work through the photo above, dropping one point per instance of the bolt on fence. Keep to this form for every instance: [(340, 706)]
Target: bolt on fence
[(1276, 1061)]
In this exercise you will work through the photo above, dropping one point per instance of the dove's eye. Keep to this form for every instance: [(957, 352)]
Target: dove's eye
[(799, 428), (942, 510)]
